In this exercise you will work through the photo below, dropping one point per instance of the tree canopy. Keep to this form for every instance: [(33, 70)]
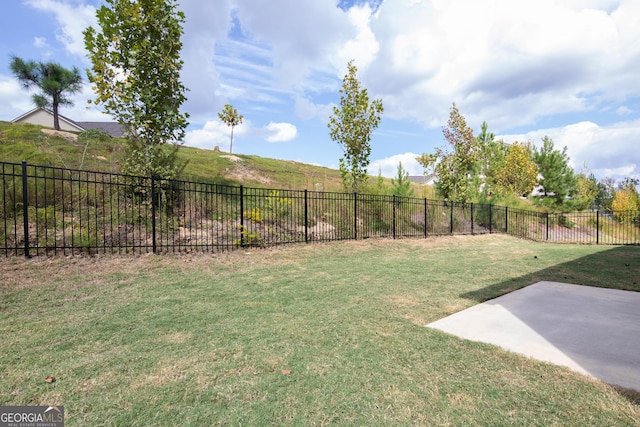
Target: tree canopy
[(455, 164), (557, 180), (401, 184), (518, 173), (231, 118), (351, 126), (53, 80), (626, 204), (136, 75)]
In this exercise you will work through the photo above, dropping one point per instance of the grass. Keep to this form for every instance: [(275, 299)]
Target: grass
[(301, 335)]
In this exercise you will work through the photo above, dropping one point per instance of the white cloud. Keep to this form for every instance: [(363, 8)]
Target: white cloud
[(41, 42), (72, 18), (363, 47), (307, 109), (215, 133), (388, 167), (620, 172), (206, 23), (303, 34), (623, 111), (281, 132), (15, 100), (507, 62)]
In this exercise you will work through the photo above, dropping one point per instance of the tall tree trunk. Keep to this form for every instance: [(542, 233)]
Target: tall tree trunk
[(231, 142), (56, 122)]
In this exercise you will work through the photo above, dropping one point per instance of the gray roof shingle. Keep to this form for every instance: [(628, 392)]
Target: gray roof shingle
[(112, 128)]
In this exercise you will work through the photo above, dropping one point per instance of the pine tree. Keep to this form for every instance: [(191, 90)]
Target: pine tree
[(53, 80), (401, 183), (557, 178)]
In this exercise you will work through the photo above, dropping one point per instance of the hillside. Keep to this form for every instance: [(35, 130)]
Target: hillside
[(95, 151)]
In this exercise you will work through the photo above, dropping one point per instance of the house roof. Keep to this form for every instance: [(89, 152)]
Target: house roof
[(112, 128), (423, 179), (25, 118)]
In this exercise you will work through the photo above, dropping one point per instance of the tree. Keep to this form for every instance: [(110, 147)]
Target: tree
[(455, 168), (518, 173), (606, 191), (628, 182), (626, 203), (586, 191), (379, 187), (351, 125), (53, 80), (557, 179), (230, 117), (485, 137), (491, 155), (136, 76), (428, 162), (401, 183)]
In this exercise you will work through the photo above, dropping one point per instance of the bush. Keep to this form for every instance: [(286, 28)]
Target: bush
[(277, 208), (249, 237), (253, 215), (565, 222), (94, 134), (44, 218)]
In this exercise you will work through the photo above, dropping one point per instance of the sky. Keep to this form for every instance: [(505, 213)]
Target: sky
[(566, 69)]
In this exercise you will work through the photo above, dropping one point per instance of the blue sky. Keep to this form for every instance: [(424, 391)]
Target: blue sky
[(567, 69)]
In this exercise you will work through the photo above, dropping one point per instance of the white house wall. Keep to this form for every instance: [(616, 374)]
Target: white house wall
[(44, 118)]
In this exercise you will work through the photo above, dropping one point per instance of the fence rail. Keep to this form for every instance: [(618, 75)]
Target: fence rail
[(50, 211)]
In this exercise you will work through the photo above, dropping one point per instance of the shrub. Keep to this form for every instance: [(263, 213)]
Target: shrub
[(43, 217), (249, 237), (253, 215), (276, 207), (565, 222)]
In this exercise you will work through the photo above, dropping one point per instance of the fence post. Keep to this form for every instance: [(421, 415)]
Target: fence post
[(355, 215), (425, 217), (153, 214), (393, 200), (25, 209), (597, 227), (490, 218), (471, 218), (242, 232), (506, 220), (547, 234), (451, 220), (306, 217)]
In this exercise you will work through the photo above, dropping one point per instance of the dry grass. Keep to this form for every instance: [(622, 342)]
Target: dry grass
[(296, 335)]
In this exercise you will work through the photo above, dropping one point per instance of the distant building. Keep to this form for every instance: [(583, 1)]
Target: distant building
[(424, 179), (44, 117)]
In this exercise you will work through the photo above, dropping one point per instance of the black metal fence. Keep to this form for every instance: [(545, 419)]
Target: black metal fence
[(51, 211)]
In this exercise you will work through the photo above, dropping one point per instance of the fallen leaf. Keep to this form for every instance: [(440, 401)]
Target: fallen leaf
[(49, 379), (286, 372)]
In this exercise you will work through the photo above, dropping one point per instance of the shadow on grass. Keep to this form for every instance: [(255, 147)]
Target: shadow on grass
[(575, 325), (615, 268)]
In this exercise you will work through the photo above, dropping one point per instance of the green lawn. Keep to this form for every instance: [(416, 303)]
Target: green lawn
[(298, 335)]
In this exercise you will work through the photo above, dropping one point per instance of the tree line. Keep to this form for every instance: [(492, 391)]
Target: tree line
[(474, 168), (482, 168)]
